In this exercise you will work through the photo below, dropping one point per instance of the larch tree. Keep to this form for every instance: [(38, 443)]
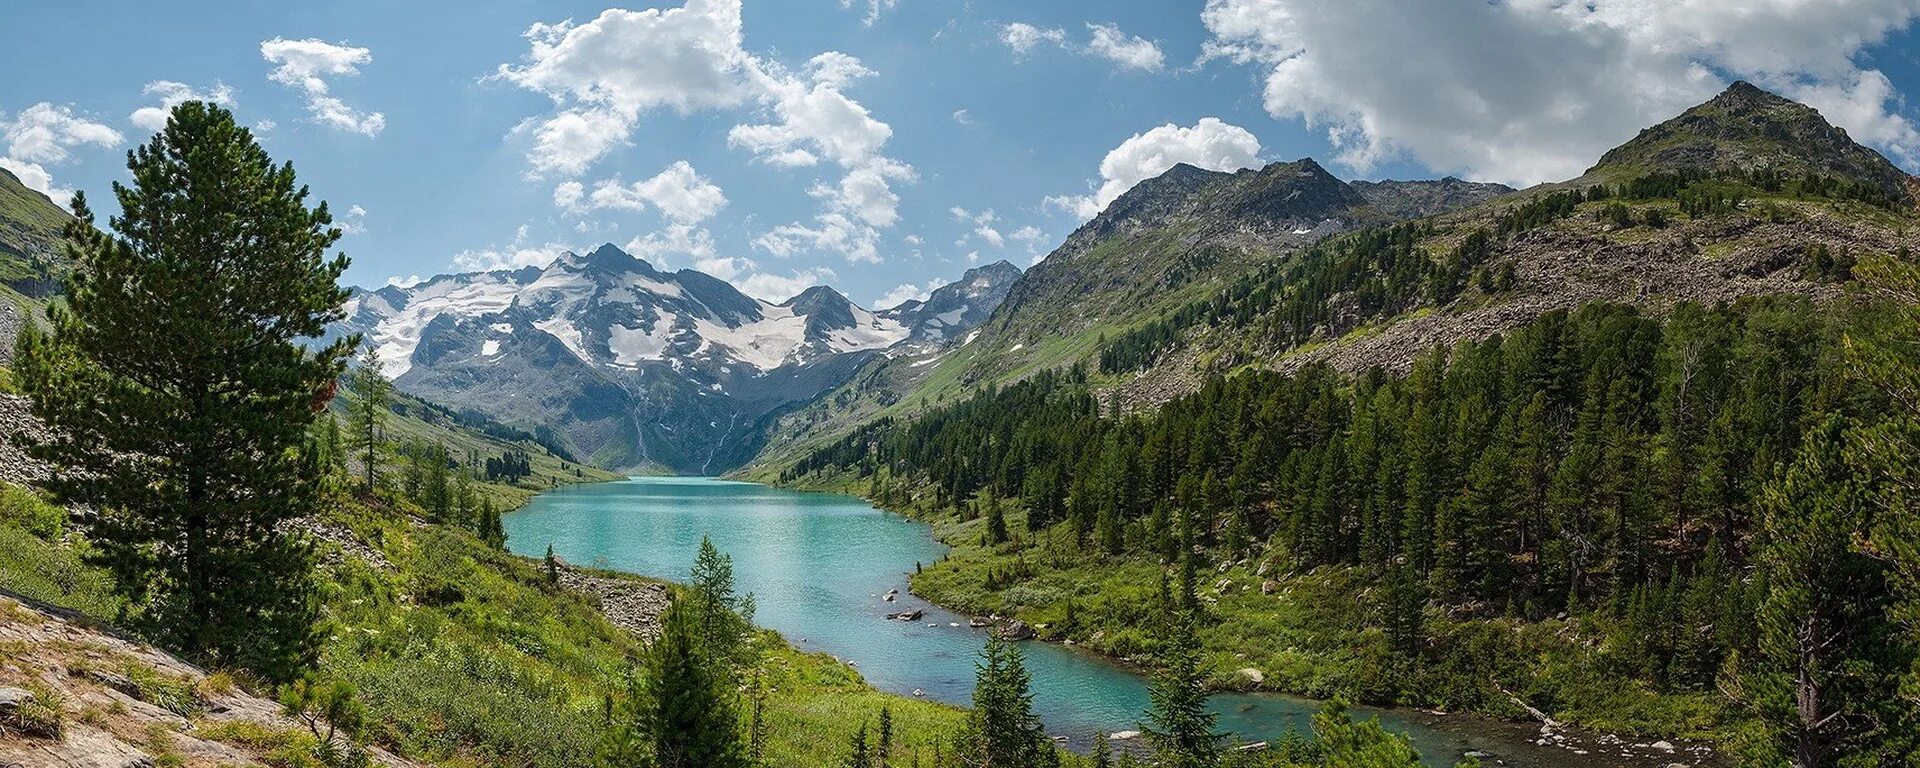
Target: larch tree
[(374, 394), (181, 380)]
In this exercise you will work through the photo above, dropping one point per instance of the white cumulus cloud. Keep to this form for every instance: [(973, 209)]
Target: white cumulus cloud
[(1128, 51), (1209, 143), (306, 65), (874, 8), (173, 94), (905, 292), (520, 252), (680, 193), (45, 134), (1567, 81), (604, 75), (1023, 37)]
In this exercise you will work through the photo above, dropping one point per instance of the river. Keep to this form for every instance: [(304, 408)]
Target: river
[(819, 564)]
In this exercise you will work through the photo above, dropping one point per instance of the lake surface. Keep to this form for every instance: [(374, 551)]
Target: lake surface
[(818, 565)]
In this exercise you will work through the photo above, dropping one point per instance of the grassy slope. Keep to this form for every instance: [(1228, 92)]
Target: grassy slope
[(29, 223), (464, 654)]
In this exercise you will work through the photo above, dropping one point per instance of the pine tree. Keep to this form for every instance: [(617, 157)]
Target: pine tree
[(373, 395), (1179, 725), (883, 743), (490, 530), (1102, 755), (1825, 683), (466, 508), (551, 565), (182, 382)]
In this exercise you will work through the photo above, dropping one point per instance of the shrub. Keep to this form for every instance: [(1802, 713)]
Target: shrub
[(24, 509)]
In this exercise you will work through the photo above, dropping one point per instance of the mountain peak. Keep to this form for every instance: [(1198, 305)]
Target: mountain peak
[(1747, 128), (814, 298)]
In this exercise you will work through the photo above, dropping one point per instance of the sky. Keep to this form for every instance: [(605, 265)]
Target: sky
[(885, 146)]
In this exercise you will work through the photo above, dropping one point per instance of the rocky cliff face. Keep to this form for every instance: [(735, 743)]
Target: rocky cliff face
[(631, 367)]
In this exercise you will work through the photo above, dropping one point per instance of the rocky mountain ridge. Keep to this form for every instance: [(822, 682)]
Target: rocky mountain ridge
[(635, 368)]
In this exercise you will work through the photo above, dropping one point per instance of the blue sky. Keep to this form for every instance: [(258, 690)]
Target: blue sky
[(862, 144)]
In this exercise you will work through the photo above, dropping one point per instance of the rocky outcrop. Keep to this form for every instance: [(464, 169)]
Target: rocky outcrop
[(111, 721)]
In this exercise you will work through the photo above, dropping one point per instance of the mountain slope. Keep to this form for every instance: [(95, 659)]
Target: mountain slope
[(1171, 240), (1543, 468), (1748, 194), (30, 225), (30, 228), (633, 368)]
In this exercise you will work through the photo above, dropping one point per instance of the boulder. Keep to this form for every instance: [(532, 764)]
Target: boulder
[(1252, 675), (1269, 586), (1016, 630)]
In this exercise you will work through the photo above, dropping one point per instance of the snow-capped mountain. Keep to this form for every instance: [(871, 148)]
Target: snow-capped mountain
[(636, 368)]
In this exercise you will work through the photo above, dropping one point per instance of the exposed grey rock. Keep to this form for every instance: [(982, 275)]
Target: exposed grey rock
[(17, 423)]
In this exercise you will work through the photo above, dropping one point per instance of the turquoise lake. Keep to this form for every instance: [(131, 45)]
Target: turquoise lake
[(818, 565)]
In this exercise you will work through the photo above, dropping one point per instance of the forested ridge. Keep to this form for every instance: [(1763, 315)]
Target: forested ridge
[(1350, 280), (1615, 473)]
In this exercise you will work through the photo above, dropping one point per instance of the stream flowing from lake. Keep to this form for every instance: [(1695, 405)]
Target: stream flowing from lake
[(818, 565)]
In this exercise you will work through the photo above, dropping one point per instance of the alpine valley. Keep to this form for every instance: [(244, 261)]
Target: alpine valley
[(1598, 465)]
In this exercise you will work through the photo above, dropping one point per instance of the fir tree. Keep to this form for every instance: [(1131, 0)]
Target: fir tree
[(724, 619), (679, 712), (883, 743), (1102, 755), (1002, 730), (551, 565), (859, 753), (1179, 725), (182, 382)]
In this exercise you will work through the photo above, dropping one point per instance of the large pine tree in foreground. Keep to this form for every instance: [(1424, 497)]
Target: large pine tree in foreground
[(180, 382)]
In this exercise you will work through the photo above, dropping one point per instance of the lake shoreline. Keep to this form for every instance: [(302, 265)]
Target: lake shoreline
[(1446, 736), (1567, 745)]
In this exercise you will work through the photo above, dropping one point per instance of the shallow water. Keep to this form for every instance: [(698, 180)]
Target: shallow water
[(818, 565)]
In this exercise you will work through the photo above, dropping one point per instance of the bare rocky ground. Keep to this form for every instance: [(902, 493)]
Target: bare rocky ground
[(1574, 262), (631, 604), (16, 420), (11, 321), (112, 722)]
